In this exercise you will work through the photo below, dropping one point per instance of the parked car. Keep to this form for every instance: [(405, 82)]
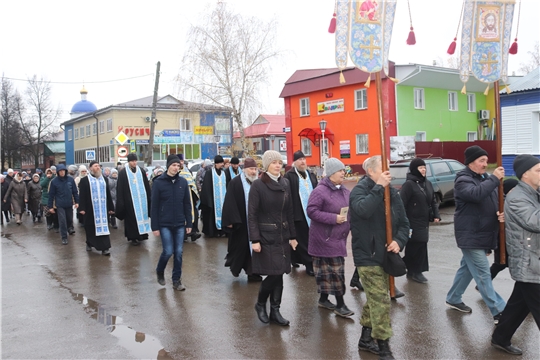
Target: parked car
[(441, 173), (194, 166)]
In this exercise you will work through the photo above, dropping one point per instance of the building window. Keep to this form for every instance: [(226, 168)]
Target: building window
[(82, 132), (102, 127), (304, 107), (420, 136), (88, 130), (360, 99), (185, 124), (306, 147), (419, 101), (471, 103), (94, 128), (109, 125), (76, 133), (362, 144), (70, 134), (472, 136), (452, 101)]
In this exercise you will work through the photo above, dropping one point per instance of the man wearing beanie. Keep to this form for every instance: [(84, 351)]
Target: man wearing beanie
[(171, 218), (186, 174), (302, 183), (236, 223), (233, 170), (522, 220), (476, 227), (213, 190), (133, 201)]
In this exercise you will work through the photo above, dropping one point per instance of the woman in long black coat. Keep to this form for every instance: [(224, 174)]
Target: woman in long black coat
[(6, 206), (34, 197), (419, 200), (272, 233)]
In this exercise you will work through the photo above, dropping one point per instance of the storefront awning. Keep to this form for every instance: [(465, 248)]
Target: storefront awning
[(315, 134)]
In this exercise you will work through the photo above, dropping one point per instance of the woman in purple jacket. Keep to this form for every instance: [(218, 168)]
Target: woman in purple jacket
[(327, 208)]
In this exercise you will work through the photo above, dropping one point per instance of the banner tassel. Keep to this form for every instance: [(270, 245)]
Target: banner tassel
[(487, 91), (508, 91), (368, 81), (452, 47), (341, 77), (514, 48), (392, 79), (464, 89)]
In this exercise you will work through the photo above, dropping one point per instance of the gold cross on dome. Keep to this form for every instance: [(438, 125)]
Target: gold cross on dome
[(370, 47), (489, 60)]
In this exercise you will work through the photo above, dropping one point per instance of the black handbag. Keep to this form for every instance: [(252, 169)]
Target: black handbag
[(393, 264)]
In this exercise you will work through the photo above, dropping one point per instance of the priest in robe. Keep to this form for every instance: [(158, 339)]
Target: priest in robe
[(95, 203), (235, 221), (213, 192), (186, 174), (233, 170), (133, 201), (302, 183)]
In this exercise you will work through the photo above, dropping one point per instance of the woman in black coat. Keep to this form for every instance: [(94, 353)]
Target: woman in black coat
[(419, 200), (272, 233)]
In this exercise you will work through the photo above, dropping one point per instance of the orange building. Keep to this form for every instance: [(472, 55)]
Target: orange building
[(350, 111)]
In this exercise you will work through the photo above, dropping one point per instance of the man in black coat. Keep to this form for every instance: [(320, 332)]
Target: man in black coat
[(213, 192), (235, 221), (302, 183), (133, 201)]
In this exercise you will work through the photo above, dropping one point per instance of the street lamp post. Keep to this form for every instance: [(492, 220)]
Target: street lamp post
[(322, 125), (272, 137), (216, 140)]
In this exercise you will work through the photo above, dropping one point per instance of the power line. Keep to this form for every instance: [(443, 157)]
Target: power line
[(84, 82)]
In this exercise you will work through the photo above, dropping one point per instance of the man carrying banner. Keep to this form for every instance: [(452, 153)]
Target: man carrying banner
[(133, 201), (96, 205), (213, 192), (302, 183), (186, 174)]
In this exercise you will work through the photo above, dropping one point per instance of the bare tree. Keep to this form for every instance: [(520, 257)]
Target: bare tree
[(533, 62), (452, 62), (39, 119), (227, 61), (10, 101)]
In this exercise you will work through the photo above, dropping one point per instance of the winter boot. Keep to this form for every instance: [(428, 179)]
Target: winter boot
[(384, 350), (366, 342), (355, 281), (275, 302), (260, 306)]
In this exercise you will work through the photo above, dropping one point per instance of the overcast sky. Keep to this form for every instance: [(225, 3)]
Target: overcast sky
[(74, 42)]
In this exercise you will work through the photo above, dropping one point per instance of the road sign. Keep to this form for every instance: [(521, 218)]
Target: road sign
[(282, 145), (132, 147), (286, 129), (90, 155), (122, 138), (122, 151)]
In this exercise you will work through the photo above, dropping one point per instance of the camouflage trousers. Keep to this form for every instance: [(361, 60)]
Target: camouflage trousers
[(376, 311)]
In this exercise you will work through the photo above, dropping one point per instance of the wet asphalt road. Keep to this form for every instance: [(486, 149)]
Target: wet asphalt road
[(62, 302)]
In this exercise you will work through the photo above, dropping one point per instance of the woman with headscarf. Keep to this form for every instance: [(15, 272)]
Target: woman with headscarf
[(272, 234), (19, 196), (83, 171), (34, 197), (421, 206), (113, 183), (6, 206)]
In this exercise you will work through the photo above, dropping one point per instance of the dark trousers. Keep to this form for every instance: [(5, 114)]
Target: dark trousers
[(525, 299), (271, 282), (65, 220)]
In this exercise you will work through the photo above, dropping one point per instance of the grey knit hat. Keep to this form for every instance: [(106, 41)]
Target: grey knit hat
[(269, 156), (332, 166)]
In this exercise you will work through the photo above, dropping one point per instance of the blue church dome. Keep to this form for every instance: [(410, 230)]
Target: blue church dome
[(83, 106)]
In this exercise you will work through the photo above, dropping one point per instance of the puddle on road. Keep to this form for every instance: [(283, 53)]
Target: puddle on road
[(139, 344)]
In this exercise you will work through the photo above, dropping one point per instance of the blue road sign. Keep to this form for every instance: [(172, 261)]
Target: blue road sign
[(90, 155)]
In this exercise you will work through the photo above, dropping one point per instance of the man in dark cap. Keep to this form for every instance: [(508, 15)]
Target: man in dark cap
[(133, 201), (235, 221), (476, 227), (186, 174), (522, 212), (96, 205), (213, 192), (233, 170), (302, 183)]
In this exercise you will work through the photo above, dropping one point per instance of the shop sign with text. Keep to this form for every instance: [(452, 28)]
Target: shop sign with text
[(329, 107)]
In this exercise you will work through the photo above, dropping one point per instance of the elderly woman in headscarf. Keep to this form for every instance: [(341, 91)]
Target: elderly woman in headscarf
[(34, 197), (420, 204), (113, 182), (83, 171), (18, 195)]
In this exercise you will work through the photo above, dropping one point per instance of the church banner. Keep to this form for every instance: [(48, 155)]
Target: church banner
[(485, 40)]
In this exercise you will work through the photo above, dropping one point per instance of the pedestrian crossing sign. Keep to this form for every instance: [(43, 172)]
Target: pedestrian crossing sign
[(90, 155)]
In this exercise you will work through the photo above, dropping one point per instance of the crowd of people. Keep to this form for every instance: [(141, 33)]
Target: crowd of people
[(275, 221)]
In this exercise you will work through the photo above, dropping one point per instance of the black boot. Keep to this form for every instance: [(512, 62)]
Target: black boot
[(260, 306), (397, 294), (366, 342), (160, 277), (384, 350), (275, 302), (355, 281)]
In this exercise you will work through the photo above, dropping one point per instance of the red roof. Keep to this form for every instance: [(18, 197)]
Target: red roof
[(307, 81), (265, 125)]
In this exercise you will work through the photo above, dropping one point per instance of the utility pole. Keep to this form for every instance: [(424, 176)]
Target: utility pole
[(153, 121)]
